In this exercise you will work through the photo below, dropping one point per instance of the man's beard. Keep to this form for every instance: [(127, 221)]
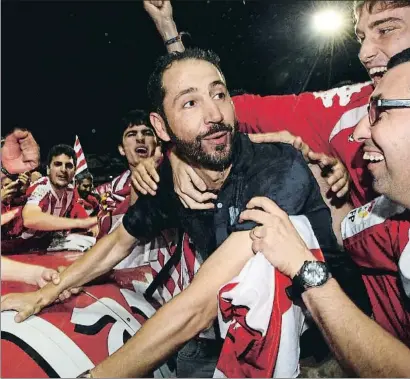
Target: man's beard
[(83, 194), (192, 151)]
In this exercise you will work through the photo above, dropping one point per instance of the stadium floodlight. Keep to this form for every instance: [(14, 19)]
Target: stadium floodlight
[(328, 21)]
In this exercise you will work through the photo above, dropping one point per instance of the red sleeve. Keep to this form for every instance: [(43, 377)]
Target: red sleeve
[(78, 211), (402, 234), (312, 116)]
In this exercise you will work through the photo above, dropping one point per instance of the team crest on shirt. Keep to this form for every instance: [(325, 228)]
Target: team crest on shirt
[(374, 213), (361, 213)]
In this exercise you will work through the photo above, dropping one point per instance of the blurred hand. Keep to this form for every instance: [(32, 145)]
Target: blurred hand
[(20, 152), (276, 237), (334, 172), (41, 276), (24, 178), (9, 190), (189, 186), (145, 176), (285, 137)]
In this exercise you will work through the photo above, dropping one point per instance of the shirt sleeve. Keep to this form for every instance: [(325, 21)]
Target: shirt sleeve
[(314, 116), (264, 114), (288, 181)]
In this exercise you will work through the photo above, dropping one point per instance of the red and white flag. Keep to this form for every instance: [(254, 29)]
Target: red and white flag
[(260, 325), (81, 162)]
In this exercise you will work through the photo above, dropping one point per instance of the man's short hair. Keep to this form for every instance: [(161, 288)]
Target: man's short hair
[(402, 57), (134, 117), (156, 90), (370, 4), (57, 150), (83, 175)]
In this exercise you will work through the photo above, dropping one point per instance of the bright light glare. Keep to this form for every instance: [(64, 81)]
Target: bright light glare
[(327, 21)]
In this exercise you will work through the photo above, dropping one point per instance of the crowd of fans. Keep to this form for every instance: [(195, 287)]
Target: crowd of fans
[(60, 201), (231, 196)]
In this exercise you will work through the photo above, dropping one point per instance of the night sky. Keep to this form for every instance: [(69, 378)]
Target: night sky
[(76, 67)]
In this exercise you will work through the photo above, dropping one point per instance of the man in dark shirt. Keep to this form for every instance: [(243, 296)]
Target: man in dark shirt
[(195, 112)]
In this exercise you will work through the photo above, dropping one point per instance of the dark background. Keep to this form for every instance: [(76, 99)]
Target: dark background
[(71, 67)]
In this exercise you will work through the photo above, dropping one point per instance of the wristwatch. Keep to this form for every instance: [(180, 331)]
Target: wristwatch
[(312, 274)]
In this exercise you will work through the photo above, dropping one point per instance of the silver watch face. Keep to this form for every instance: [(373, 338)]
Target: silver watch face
[(314, 274)]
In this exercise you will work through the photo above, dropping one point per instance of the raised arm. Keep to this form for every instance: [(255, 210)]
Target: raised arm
[(109, 251), (35, 218), (161, 14), (191, 312)]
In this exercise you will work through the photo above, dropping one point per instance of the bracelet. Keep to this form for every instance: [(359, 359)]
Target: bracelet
[(173, 40), (177, 38)]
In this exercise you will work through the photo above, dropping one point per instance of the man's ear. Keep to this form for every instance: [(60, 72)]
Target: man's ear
[(158, 124), (121, 150)]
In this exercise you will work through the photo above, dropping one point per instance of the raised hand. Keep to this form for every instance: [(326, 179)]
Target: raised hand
[(145, 176), (20, 152)]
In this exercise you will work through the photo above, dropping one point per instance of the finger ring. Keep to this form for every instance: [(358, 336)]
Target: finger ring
[(351, 138)]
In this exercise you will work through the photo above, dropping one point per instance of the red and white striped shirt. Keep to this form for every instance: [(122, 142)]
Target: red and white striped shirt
[(119, 188), (377, 235), (42, 194)]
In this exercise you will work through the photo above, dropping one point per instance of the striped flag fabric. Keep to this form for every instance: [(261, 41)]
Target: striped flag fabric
[(260, 325), (81, 162)]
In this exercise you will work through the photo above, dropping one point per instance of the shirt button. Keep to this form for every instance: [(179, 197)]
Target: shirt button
[(219, 205)]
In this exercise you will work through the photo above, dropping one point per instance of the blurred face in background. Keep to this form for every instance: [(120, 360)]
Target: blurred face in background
[(85, 187)]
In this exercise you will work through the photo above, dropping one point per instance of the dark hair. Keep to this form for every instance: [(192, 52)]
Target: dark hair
[(61, 149), (156, 90), (134, 117), (370, 4), (83, 175), (402, 57)]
